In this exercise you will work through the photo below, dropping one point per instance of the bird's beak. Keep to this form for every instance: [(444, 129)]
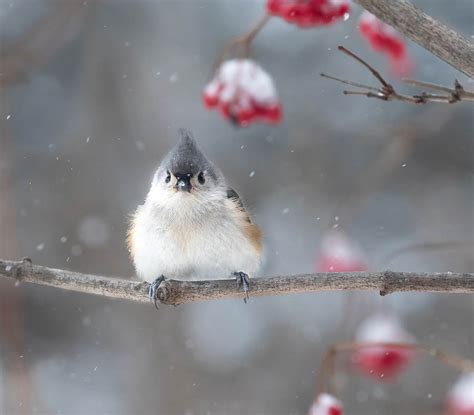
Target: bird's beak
[(184, 182), (184, 186)]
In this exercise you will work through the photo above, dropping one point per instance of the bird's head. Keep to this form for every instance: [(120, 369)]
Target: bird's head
[(186, 175)]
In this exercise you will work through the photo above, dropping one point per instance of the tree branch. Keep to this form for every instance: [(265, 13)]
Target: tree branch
[(429, 33), (387, 92), (174, 292)]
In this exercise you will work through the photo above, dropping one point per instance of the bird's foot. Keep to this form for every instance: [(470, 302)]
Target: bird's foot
[(244, 282), (153, 290)]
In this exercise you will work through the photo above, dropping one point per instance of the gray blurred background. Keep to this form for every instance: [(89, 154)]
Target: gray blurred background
[(92, 94)]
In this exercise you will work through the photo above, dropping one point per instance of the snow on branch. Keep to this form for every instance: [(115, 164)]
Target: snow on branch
[(387, 92), (426, 31), (174, 292)]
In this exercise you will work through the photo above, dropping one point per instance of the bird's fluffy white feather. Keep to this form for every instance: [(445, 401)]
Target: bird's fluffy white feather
[(188, 236)]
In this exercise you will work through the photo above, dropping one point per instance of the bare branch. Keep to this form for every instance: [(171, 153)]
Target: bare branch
[(344, 81), (386, 92), (458, 93), (429, 33), (372, 70), (174, 292)]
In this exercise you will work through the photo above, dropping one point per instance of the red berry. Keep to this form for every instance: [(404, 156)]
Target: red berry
[(384, 39), (340, 254), (210, 101), (382, 362), (326, 404), (244, 93), (309, 13)]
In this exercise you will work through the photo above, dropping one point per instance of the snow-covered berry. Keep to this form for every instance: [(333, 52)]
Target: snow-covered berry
[(382, 362), (385, 39), (340, 254), (244, 93), (460, 399), (326, 404), (309, 13)]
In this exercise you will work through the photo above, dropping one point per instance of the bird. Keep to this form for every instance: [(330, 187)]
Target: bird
[(192, 225)]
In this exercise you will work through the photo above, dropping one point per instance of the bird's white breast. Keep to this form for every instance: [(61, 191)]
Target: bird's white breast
[(208, 247)]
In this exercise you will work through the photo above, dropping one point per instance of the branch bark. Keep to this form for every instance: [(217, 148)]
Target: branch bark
[(427, 32), (174, 292)]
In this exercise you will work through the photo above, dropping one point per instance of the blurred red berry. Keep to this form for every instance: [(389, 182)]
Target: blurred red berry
[(243, 93), (382, 362), (326, 404), (460, 399), (385, 39), (382, 37), (309, 13), (340, 254)]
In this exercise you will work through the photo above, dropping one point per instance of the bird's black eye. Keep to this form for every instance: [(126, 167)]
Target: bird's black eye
[(168, 176), (201, 178)]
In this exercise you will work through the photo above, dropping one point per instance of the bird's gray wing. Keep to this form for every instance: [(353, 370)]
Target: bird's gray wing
[(233, 195)]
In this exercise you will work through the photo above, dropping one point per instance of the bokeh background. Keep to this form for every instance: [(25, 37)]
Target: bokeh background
[(92, 94)]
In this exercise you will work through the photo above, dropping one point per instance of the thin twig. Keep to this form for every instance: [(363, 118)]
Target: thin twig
[(457, 93), (386, 92), (374, 72), (174, 292), (328, 362), (428, 85), (247, 38), (243, 42), (343, 81)]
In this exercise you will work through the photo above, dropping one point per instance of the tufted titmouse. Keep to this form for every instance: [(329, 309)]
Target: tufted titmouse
[(192, 225)]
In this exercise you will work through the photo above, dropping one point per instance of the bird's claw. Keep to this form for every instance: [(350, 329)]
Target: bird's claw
[(243, 281), (153, 290)]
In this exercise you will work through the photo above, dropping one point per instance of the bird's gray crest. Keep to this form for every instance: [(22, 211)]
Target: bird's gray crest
[(186, 157)]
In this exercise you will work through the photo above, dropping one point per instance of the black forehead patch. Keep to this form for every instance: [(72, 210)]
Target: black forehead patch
[(187, 158), (182, 164)]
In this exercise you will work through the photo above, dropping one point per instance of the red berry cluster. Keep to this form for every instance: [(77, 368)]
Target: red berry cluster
[(383, 38), (243, 92), (309, 13), (384, 361)]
